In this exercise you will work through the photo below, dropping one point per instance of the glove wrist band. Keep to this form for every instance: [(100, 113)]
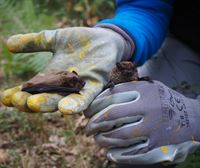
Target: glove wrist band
[(129, 44)]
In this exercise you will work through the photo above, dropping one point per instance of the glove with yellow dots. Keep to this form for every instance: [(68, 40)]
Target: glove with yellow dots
[(145, 123), (91, 52)]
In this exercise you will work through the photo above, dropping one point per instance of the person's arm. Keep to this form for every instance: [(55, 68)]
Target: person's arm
[(145, 21)]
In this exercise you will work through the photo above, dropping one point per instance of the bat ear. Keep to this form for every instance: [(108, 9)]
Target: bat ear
[(119, 66), (75, 72)]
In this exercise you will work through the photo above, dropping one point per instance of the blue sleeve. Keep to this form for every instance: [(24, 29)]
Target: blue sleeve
[(146, 22)]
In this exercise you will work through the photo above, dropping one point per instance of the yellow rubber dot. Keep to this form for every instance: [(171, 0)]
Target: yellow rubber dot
[(40, 38), (164, 149), (193, 139)]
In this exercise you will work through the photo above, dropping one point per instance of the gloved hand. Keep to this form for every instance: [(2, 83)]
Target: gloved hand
[(91, 52), (145, 123)]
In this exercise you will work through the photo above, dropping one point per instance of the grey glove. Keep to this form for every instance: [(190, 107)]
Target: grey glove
[(145, 123), (91, 52)]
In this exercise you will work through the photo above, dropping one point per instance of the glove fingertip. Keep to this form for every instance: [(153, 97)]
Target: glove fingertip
[(13, 43), (70, 105), (6, 97)]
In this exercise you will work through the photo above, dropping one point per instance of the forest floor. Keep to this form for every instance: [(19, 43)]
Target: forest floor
[(46, 141)]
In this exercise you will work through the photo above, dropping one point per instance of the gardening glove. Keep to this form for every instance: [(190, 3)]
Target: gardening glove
[(145, 123), (91, 52)]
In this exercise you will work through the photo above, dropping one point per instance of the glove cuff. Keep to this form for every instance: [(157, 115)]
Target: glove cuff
[(196, 110), (129, 46)]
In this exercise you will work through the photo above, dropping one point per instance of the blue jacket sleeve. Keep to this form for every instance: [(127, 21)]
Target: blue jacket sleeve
[(146, 22)]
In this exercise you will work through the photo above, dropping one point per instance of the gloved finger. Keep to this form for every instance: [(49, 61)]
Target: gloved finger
[(133, 155), (6, 97), (19, 100), (116, 98), (75, 103), (122, 87), (124, 136), (117, 114), (32, 42), (44, 102), (125, 87)]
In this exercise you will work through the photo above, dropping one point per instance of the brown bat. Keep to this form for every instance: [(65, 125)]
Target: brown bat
[(62, 82), (124, 71)]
